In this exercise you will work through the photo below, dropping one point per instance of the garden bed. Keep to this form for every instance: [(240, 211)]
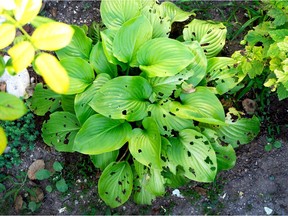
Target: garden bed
[(256, 185)]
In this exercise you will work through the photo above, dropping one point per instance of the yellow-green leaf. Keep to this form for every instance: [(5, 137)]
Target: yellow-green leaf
[(7, 34), (26, 10), (11, 107), (3, 140), (22, 54), (53, 72), (52, 36)]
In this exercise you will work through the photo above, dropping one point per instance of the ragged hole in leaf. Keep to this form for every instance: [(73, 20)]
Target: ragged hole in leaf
[(205, 44), (139, 151), (206, 142), (191, 143), (209, 31), (106, 193), (118, 199), (192, 171), (198, 137), (119, 182), (124, 191), (189, 153), (112, 173), (165, 128), (163, 158), (213, 168), (208, 160), (124, 112)]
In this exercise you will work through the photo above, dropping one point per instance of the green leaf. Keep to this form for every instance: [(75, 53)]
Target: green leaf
[(280, 18), (141, 195), (282, 92), (48, 189), (100, 134), (210, 35), (278, 35), (167, 123), (163, 87), (60, 130), (223, 74), (161, 25), (44, 100), (225, 154), (101, 161), (99, 61), (11, 107), (174, 13), (42, 174), (115, 13), (80, 46), (67, 103), (194, 153), (116, 184), (2, 188), (156, 183), (61, 185), (32, 206), (82, 109), (145, 145), (57, 166), (176, 181), (197, 69), (155, 60), (130, 37), (241, 131), (80, 74), (124, 97), (2, 66), (201, 105)]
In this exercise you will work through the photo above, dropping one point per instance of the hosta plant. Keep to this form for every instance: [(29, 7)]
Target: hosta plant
[(143, 105), (25, 49)]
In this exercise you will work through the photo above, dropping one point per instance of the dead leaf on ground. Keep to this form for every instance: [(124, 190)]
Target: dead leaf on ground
[(34, 167), (201, 191), (38, 196), (249, 106), (18, 203)]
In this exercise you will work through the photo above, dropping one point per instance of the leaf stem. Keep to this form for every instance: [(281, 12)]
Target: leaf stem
[(126, 151)]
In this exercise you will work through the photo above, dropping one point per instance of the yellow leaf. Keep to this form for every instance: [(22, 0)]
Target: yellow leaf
[(52, 36), (53, 72), (7, 5), (22, 54), (7, 34), (26, 10), (3, 140)]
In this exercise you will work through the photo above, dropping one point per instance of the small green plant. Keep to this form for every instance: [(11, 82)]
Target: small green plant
[(22, 135), (55, 178), (150, 117), (19, 192)]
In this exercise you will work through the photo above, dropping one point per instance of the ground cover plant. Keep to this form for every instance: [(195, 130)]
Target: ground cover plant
[(143, 105)]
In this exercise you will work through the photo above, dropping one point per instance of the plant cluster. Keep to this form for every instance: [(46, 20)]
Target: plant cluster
[(28, 49), (21, 135), (143, 105), (266, 50)]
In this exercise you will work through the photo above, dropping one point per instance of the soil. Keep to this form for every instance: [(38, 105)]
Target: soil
[(256, 185)]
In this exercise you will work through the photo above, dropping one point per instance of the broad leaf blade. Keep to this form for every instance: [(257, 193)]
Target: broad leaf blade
[(44, 100), (101, 161), (210, 35), (60, 131), (123, 97), (225, 154), (100, 134), (201, 105), (154, 59), (52, 36), (53, 72), (166, 122), (3, 140), (116, 184), (223, 74), (115, 13), (79, 46), (174, 13), (7, 34), (132, 34), (82, 109), (145, 145), (26, 11), (99, 61), (11, 107), (241, 131), (80, 73), (194, 153)]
